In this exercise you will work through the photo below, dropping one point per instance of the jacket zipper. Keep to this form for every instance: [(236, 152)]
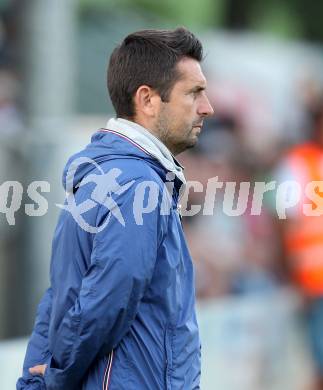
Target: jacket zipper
[(107, 373)]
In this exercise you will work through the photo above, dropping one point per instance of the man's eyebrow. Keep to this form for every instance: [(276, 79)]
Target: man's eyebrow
[(198, 88)]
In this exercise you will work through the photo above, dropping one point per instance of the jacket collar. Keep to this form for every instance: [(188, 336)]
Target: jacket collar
[(148, 142)]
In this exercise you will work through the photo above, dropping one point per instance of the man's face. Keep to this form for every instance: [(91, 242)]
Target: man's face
[(181, 118)]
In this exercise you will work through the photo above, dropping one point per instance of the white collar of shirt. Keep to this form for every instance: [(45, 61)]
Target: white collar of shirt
[(149, 142)]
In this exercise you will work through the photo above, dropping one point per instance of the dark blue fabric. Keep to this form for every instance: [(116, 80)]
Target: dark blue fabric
[(126, 290)]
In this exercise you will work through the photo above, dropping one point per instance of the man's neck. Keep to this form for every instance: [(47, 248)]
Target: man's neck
[(151, 128)]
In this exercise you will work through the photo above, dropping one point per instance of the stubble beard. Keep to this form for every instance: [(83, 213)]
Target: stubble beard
[(163, 128), (166, 135)]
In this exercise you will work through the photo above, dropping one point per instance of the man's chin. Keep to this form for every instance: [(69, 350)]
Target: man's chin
[(192, 142), (195, 138)]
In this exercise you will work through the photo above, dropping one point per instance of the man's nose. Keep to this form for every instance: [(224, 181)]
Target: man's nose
[(205, 108)]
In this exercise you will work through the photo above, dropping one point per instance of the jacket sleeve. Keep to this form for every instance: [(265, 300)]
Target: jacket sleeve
[(37, 349), (122, 263)]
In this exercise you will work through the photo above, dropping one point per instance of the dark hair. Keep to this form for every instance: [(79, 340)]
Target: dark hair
[(148, 57)]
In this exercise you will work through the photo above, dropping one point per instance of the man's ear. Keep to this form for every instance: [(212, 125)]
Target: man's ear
[(146, 101)]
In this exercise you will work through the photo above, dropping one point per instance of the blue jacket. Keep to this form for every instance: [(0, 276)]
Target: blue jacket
[(120, 312)]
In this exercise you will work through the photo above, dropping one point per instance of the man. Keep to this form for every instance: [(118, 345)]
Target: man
[(120, 310)]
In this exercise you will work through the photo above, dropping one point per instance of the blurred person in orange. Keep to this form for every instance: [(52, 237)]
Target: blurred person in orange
[(302, 231)]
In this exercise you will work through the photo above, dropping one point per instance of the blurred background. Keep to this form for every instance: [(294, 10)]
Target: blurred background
[(260, 325)]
